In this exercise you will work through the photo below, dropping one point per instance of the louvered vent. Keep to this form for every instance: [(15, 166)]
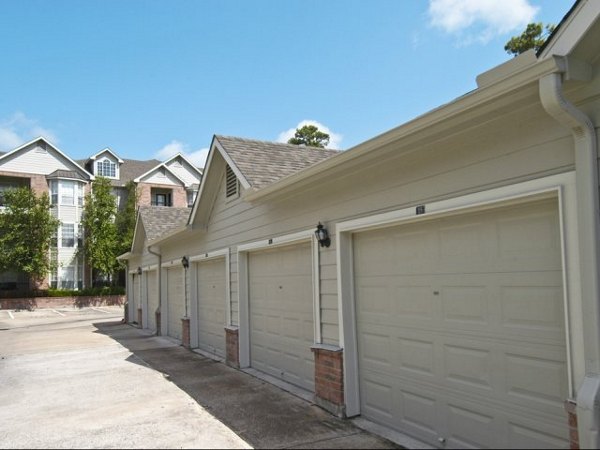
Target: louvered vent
[(231, 183)]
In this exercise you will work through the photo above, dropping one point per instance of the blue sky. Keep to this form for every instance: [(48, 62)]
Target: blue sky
[(148, 78)]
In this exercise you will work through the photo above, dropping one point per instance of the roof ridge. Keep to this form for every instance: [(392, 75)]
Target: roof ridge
[(311, 147)]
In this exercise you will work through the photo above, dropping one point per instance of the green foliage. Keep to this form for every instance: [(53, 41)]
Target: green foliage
[(101, 243), (125, 221), (26, 230), (310, 135), (533, 37)]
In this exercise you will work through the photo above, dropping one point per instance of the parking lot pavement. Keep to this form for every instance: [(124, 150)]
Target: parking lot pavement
[(65, 384)]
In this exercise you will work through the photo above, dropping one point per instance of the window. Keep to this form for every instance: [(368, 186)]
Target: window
[(3, 189), (54, 192), (68, 235), (105, 168), (231, 184), (67, 280), (80, 194), (54, 279), (161, 197), (67, 193)]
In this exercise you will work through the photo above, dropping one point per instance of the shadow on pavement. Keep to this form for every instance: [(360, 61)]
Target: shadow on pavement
[(260, 413)]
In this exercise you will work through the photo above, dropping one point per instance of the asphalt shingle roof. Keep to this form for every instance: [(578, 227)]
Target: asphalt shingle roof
[(159, 220), (263, 163), (130, 169), (66, 174)]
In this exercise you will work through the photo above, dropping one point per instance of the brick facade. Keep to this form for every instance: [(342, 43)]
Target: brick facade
[(185, 332), (571, 408), (178, 194), (37, 182), (232, 357), (61, 302), (329, 379)]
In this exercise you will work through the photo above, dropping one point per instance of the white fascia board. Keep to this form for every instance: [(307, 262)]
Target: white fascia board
[(150, 268), (232, 164), (172, 263), (474, 99), (209, 159), (210, 255), (107, 150), (125, 256), (56, 149)]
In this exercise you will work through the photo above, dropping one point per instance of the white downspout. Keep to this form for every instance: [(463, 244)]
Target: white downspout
[(159, 275), (588, 217)]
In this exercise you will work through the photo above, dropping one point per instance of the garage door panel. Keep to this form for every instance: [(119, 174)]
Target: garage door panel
[(281, 313), (474, 329), (175, 302), (211, 295)]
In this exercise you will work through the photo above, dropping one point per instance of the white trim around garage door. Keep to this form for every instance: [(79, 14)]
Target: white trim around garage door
[(561, 186), (243, 293), (223, 253)]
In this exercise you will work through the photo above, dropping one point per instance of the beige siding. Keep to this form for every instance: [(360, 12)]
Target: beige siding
[(509, 149), (158, 178), (33, 160)]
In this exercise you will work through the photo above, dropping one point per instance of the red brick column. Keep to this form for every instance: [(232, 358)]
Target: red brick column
[(139, 318), (158, 323), (571, 408), (329, 378), (232, 343), (185, 332)]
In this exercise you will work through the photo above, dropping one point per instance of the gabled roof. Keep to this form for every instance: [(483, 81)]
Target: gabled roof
[(257, 165), (132, 169), (78, 166), (106, 150), (154, 169), (262, 163), (159, 220)]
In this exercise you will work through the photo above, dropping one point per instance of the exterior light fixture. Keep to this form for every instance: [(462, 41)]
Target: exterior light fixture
[(185, 262), (322, 236), (139, 270)]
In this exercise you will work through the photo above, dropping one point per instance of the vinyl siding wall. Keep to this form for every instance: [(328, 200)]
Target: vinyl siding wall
[(524, 145)]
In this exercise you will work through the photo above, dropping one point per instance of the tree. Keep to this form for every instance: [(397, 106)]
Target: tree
[(27, 228), (310, 135), (125, 221), (101, 243), (533, 37)]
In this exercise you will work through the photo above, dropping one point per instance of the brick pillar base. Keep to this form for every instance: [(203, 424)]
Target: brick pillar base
[(232, 342), (139, 317), (157, 314), (571, 408), (329, 378), (185, 332)]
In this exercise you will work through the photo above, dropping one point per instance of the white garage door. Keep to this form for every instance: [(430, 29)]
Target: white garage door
[(152, 296), (175, 301), (281, 313), (460, 327), (211, 289)]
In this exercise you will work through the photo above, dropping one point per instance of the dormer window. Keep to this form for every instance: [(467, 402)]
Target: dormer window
[(231, 184), (105, 168)]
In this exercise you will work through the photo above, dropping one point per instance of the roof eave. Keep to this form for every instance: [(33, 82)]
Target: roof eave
[(439, 115)]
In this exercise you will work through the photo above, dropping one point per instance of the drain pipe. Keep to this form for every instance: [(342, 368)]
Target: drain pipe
[(159, 256), (588, 218)]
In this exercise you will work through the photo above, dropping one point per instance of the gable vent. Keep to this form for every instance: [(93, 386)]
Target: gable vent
[(231, 183)]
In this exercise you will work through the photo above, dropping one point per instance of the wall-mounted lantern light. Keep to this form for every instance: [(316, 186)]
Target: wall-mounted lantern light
[(185, 262), (322, 236), (139, 270)]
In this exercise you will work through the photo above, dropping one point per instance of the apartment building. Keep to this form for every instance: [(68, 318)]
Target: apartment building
[(43, 167)]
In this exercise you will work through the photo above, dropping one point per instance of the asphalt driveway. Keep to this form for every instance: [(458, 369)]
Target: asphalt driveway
[(82, 379)]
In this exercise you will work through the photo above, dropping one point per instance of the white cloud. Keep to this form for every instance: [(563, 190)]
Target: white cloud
[(335, 139), (480, 20), (18, 129), (196, 157)]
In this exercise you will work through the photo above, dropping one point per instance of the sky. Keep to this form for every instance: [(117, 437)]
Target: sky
[(151, 78)]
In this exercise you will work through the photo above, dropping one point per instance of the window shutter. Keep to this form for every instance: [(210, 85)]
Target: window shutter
[(232, 185)]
